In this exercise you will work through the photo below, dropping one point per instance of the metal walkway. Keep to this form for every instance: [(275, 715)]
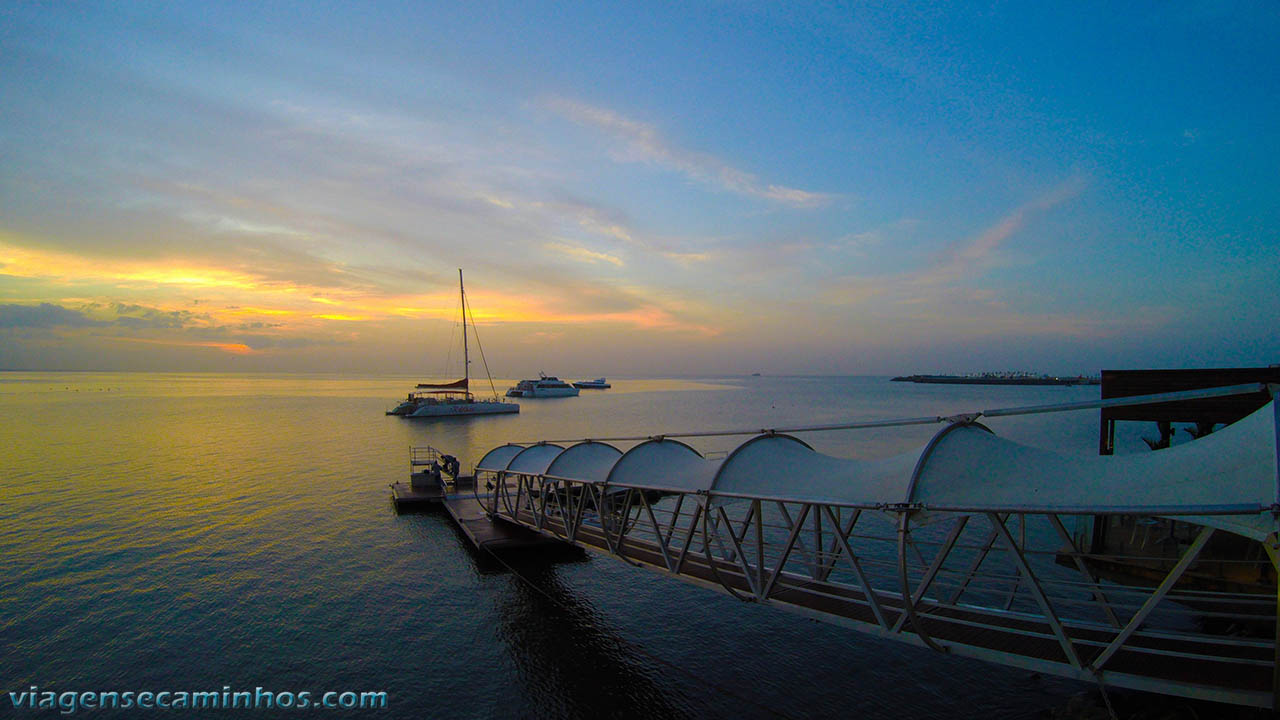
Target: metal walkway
[(1009, 586)]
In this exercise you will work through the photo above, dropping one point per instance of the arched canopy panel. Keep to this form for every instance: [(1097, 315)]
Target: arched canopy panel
[(1232, 470), (780, 466), (588, 461), (534, 459), (496, 460), (1226, 480), (664, 465)]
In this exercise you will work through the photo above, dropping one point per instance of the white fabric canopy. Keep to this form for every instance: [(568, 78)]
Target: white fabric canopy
[(1234, 468), (780, 466), (587, 461), (1226, 480), (665, 465), (534, 459), (496, 460)]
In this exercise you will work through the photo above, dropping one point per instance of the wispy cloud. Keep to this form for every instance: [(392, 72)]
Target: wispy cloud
[(687, 259), (979, 251), (583, 254), (233, 348), (237, 226), (944, 293), (642, 142)]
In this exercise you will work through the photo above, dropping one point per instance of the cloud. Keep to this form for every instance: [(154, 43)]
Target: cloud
[(44, 315), (227, 347), (614, 230), (133, 323), (942, 297), (643, 143), (138, 317), (583, 254), (565, 210), (231, 225), (687, 259), (979, 252), (264, 343), (258, 326), (233, 272)]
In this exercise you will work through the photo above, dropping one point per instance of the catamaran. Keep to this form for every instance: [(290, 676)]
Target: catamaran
[(454, 398)]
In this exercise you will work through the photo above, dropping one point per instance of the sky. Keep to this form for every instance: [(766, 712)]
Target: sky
[(639, 189)]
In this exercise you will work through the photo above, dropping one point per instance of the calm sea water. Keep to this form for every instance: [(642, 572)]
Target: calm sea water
[(190, 532)]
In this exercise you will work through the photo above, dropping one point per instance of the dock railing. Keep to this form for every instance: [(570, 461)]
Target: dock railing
[(421, 456)]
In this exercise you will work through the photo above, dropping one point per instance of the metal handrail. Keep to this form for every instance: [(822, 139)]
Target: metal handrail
[(1008, 585), (421, 455)]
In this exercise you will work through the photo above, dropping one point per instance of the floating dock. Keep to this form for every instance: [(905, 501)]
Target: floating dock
[(429, 489), (428, 482), (408, 497)]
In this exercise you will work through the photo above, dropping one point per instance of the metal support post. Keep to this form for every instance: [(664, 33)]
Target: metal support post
[(1165, 586), (914, 599), (1036, 591), (857, 568), (786, 551), (1084, 569)]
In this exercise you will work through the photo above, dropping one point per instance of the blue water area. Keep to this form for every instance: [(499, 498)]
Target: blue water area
[(195, 532)]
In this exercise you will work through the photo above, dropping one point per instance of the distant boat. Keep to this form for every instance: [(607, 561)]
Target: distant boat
[(544, 387), (597, 384), (453, 399)]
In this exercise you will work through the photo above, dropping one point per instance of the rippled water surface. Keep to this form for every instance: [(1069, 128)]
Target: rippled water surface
[(189, 532)]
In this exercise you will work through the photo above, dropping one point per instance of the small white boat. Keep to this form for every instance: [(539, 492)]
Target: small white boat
[(544, 387), (597, 384)]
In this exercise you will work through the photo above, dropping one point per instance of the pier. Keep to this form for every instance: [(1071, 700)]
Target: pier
[(975, 546)]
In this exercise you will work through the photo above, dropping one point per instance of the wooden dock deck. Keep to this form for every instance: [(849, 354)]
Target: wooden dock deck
[(408, 498), (494, 534), (423, 493)]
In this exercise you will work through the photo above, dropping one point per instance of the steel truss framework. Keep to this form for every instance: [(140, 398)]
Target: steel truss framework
[(983, 586), (1008, 586)]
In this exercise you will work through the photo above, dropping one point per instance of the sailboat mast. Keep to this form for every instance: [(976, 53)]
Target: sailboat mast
[(466, 358)]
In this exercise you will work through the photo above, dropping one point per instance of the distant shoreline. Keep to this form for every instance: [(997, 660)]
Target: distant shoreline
[(998, 380)]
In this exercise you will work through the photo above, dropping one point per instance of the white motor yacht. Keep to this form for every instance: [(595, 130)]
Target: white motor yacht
[(544, 387)]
